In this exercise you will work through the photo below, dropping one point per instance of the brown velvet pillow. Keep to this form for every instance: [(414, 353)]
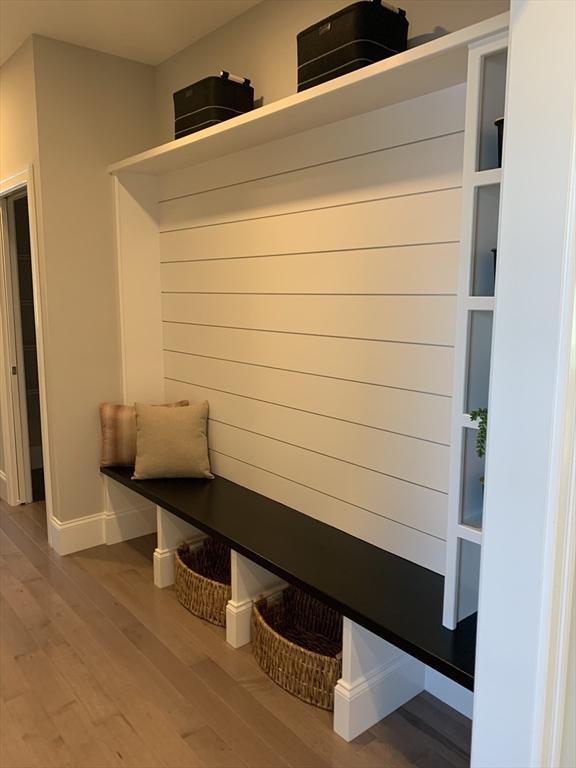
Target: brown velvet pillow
[(118, 424), (172, 442)]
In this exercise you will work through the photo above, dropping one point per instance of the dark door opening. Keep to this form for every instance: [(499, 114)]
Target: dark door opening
[(25, 308)]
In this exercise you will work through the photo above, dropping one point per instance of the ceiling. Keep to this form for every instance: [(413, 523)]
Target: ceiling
[(148, 31)]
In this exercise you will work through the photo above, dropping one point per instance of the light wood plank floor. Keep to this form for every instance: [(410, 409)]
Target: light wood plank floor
[(99, 668)]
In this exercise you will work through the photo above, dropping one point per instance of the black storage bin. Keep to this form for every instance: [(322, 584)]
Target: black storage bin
[(359, 34), (210, 101)]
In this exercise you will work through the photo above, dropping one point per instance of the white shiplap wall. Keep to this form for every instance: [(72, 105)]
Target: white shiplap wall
[(308, 292)]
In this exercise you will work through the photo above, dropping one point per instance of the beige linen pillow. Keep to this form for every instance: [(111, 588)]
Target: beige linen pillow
[(171, 442), (118, 424)]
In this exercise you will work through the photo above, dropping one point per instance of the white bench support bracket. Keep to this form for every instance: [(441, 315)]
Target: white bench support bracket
[(377, 678), (249, 581), (172, 531)]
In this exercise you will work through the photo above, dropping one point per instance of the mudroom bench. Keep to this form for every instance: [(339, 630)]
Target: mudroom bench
[(393, 633)]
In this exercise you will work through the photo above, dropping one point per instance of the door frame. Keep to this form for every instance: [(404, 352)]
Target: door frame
[(22, 182)]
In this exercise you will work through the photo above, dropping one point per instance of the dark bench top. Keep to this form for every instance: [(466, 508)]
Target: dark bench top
[(392, 597)]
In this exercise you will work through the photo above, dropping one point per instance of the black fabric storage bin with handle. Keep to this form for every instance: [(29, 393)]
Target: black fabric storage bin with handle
[(356, 36), (211, 101)]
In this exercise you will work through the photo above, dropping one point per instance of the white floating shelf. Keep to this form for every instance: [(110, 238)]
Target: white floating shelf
[(470, 533), (480, 303), (487, 178), (467, 422), (430, 67)]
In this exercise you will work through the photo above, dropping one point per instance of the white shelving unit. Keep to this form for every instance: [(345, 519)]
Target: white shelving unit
[(476, 304), (374, 680), (427, 68)]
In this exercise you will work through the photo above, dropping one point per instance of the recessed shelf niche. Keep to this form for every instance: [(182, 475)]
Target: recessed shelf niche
[(468, 578), (479, 353), (493, 91), (472, 482), (485, 239)]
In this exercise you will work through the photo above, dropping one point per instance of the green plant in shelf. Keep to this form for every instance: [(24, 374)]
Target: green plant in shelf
[(481, 416)]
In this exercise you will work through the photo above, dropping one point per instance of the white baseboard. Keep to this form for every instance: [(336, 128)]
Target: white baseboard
[(129, 524), (163, 567), (369, 699), (238, 628), (456, 696), (75, 535), (104, 528)]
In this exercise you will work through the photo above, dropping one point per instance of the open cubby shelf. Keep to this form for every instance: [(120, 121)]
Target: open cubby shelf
[(476, 303)]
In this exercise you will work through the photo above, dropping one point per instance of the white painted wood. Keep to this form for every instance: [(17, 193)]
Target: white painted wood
[(403, 413), (76, 535), (473, 341), (172, 531), (438, 64), (365, 486), (423, 269), (415, 319), (531, 370), (349, 483), (433, 164), (127, 515), (377, 678), (430, 217), (399, 539), (456, 696), (249, 582), (400, 366), (380, 129), (138, 287)]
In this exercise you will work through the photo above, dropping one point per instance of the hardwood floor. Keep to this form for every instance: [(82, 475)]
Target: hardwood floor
[(99, 668)]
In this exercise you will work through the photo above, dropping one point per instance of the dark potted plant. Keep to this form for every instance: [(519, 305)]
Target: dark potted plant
[(481, 416)]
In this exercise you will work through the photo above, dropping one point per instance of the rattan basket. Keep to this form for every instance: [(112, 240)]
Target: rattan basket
[(297, 640), (202, 579)]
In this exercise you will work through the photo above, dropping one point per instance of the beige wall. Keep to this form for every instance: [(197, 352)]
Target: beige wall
[(92, 109), (86, 109), (261, 44), (18, 135)]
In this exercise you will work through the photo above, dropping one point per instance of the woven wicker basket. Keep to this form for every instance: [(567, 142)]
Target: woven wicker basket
[(202, 579), (297, 641)]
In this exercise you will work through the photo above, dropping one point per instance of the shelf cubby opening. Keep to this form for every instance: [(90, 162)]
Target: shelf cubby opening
[(472, 495), (479, 353), (485, 238), (492, 96), (468, 578)]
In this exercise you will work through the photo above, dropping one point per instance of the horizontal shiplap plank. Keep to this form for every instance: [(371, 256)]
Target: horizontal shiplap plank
[(431, 217), (418, 547), (349, 417), (402, 170), (427, 117), (422, 269), (403, 366), (415, 319), (327, 455)]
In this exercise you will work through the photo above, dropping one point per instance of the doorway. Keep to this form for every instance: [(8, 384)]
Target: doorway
[(23, 306), (22, 404)]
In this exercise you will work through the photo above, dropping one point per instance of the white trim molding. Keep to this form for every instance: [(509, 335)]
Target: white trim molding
[(238, 622), (377, 678), (78, 534)]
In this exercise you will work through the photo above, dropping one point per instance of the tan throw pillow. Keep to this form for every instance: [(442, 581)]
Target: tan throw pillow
[(171, 442), (118, 424)]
